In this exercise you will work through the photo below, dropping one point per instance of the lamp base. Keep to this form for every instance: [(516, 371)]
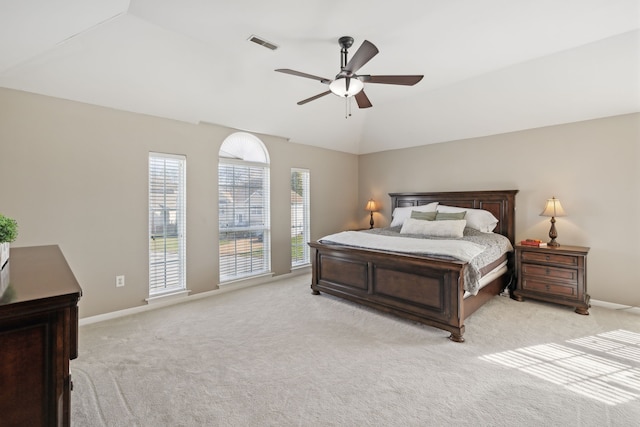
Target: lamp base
[(371, 221), (553, 234), (553, 243)]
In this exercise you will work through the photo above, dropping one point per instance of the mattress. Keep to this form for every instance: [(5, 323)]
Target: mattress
[(490, 276)]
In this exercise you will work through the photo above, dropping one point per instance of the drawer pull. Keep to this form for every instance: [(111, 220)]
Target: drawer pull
[(547, 257), (548, 271), (547, 287)]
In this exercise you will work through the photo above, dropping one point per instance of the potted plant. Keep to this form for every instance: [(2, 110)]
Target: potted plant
[(8, 233)]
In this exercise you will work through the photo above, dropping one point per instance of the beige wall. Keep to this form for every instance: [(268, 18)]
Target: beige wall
[(76, 175), (593, 167)]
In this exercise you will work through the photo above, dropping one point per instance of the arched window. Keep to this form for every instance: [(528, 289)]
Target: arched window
[(243, 207)]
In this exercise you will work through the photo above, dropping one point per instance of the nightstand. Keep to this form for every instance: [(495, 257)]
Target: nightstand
[(553, 274)]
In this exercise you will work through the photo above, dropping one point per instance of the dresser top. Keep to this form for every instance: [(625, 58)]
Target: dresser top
[(36, 274)]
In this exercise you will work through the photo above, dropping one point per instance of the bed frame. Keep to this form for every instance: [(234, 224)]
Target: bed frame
[(418, 288)]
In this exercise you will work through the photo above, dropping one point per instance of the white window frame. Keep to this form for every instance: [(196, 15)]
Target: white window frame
[(167, 259), (301, 220)]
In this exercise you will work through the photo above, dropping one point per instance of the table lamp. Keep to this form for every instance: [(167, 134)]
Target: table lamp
[(371, 207), (553, 209)]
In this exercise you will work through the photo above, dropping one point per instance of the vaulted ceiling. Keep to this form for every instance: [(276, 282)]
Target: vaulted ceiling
[(489, 66)]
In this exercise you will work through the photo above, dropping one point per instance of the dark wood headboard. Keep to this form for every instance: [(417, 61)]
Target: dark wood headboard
[(502, 204)]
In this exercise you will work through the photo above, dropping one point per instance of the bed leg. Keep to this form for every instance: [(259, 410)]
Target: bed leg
[(456, 337), (314, 292)]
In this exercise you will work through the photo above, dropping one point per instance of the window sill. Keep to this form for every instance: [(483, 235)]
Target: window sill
[(246, 281), (168, 296)]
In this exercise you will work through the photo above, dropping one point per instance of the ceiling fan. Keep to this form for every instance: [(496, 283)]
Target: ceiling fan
[(347, 83)]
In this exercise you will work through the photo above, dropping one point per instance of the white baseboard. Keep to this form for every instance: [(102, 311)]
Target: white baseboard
[(234, 286), (614, 306)]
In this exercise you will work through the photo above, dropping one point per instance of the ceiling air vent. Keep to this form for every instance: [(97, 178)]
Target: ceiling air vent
[(262, 42)]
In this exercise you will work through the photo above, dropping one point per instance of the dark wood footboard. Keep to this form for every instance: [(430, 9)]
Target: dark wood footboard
[(418, 288)]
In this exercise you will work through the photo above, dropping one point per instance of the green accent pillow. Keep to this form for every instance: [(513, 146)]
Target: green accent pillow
[(426, 216), (440, 216)]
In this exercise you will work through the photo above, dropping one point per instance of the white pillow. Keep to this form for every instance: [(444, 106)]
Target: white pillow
[(401, 214), (478, 219), (447, 228)]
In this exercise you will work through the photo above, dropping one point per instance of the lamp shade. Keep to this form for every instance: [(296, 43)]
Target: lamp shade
[(553, 208), (339, 86), (371, 206)]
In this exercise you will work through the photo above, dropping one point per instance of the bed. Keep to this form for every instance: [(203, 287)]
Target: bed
[(421, 288)]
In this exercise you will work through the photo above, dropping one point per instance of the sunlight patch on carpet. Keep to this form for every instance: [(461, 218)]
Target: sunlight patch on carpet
[(605, 367)]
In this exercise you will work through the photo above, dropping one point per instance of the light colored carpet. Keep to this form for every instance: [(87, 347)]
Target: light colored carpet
[(275, 355)]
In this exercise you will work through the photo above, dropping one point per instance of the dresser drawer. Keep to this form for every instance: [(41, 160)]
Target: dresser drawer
[(548, 288), (562, 260), (567, 275)]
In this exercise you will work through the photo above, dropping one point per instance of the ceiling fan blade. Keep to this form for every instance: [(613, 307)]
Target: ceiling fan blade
[(320, 95), (362, 100), (299, 74), (392, 80), (363, 55)]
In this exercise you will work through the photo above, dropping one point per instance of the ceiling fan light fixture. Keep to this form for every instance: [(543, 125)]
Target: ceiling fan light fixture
[(339, 87)]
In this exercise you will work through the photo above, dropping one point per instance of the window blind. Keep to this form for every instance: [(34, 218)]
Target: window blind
[(167, 222), (243, 218), (300, 217)]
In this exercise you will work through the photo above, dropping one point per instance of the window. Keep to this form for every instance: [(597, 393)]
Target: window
[(300, 223), (243, 208), (167, 216)]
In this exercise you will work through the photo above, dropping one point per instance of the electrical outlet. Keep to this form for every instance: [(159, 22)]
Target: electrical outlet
[(119, 281)]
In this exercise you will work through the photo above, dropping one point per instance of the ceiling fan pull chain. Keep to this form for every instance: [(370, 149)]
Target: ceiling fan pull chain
[(347, 107)]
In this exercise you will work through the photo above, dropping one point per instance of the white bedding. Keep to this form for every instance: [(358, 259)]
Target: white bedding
[(459, 249)]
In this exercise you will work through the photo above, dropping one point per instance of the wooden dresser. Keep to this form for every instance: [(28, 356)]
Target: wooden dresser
[(553, 274), (38, 337)]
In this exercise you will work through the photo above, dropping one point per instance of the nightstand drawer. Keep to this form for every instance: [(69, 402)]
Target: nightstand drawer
[(548, 288), (568, 260), (553, 273)]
